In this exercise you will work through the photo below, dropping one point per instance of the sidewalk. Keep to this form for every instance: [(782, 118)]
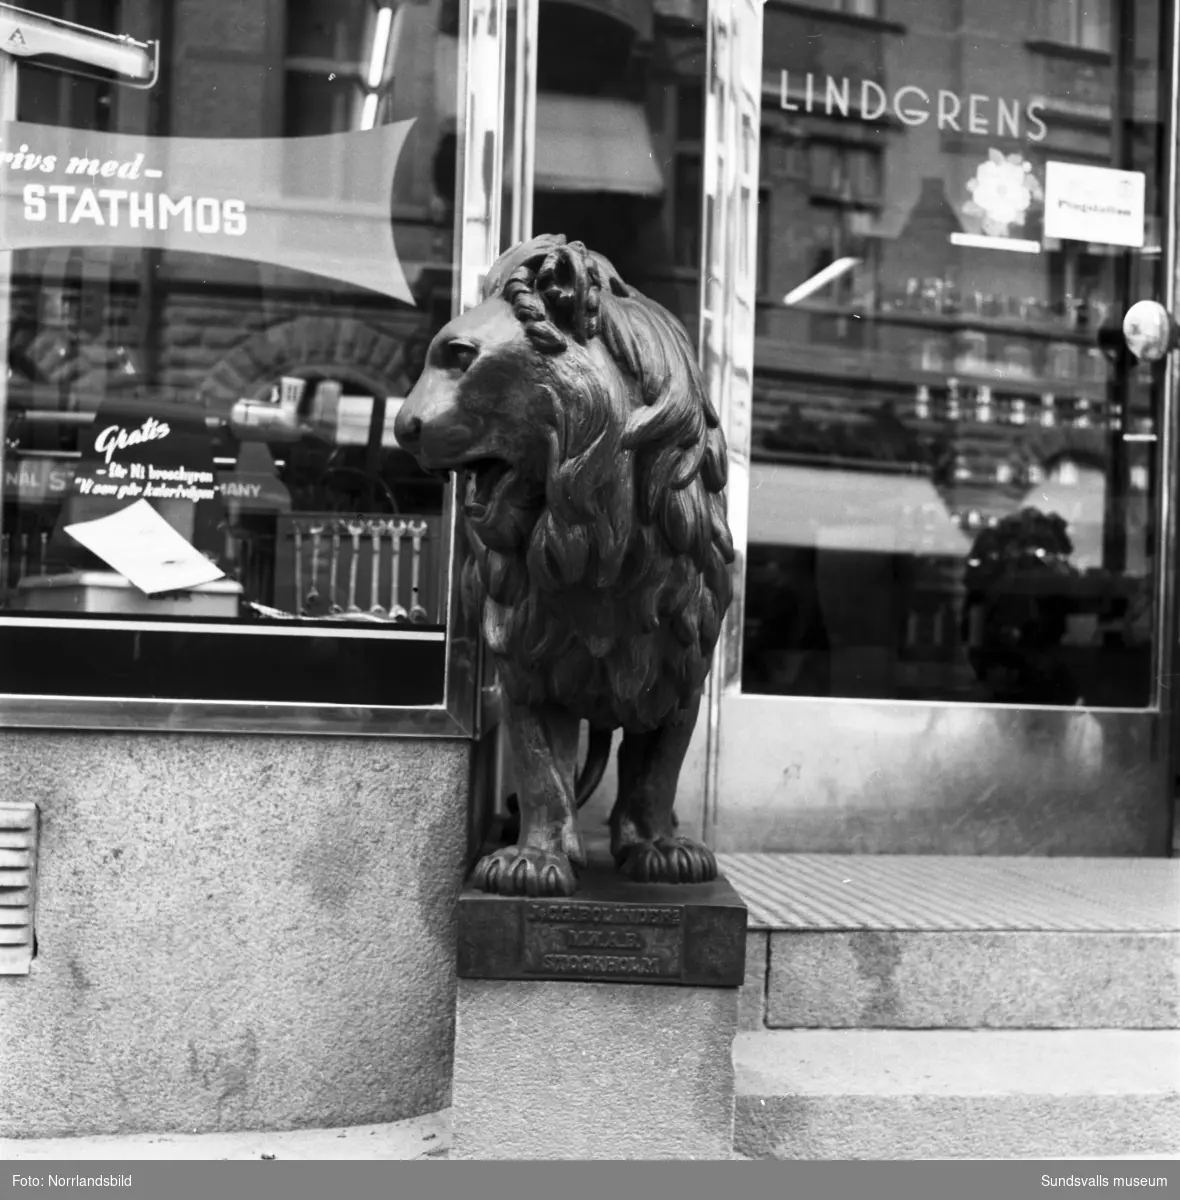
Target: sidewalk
[(422, 1137)]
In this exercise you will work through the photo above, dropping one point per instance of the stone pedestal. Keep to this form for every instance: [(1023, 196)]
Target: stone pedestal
[(598, 1027)]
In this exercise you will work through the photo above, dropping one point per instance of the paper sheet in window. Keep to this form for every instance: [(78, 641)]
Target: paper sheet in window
[(139, 544)]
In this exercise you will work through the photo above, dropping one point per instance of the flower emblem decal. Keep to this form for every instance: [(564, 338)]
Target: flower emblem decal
[(1002, 191)]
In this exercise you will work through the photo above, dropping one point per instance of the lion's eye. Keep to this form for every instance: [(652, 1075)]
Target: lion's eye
[(461, 354)]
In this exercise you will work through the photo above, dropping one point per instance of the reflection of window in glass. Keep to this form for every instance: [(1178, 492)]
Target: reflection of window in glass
[(839, 171), (54, 98), (856, 8), (686, 215), (1082, 23), (336, 64), (690, 114), (584, 52), (687, 179)]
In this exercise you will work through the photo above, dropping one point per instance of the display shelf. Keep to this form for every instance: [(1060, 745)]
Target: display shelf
[(949, 322), (832, 198), (833, 462), (773, 356)]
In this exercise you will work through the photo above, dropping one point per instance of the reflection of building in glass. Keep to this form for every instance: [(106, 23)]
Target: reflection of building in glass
[(224, 332), (904, 269), (619, 137)]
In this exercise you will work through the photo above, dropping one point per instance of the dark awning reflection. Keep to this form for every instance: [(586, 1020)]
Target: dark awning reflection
[(595, 144)]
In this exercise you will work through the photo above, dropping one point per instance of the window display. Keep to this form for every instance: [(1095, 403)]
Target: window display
[(955, 214), (221, 284)]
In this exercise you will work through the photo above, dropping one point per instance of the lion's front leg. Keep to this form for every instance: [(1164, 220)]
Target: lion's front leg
[(644, 840), (545, 752)]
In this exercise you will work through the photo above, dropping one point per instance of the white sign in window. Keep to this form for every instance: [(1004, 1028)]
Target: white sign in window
[(1094, 204)]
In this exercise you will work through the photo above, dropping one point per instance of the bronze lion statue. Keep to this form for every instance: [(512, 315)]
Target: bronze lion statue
[(599, 549)]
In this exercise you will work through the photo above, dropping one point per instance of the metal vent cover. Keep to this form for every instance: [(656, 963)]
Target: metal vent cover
[(18, 886)]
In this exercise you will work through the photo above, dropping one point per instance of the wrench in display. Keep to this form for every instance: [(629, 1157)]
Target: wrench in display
[(298, 567), (355, 529), (376, 529), (418, 614), (313, 593), (333, 605), (397, 611)]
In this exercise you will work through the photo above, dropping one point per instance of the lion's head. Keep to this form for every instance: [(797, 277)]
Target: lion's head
[(595, 507)]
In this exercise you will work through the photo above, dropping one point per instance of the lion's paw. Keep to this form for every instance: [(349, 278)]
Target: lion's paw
[(667, 860), (525, 871)]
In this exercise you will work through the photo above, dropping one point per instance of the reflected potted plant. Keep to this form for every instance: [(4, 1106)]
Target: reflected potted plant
[(1015, 613)]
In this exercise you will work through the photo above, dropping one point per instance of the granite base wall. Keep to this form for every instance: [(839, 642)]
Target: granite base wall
[(234, 932)]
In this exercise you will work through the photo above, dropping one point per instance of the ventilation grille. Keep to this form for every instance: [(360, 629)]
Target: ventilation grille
[(18, 886)]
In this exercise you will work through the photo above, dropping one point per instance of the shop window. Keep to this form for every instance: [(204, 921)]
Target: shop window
[(945, 422), (209, 340)]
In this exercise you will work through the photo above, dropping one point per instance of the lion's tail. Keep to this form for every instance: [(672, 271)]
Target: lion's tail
[(597, 756)]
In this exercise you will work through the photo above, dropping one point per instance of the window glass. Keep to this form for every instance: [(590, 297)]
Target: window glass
[(858, 8), (954, 481), (220, 288), (1085, 24), (620, 112)]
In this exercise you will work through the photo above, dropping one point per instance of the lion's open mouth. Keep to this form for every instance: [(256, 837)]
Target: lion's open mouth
[(483, 476)]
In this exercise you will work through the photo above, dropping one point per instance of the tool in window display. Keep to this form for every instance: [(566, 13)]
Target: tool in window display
[(599, 548), (313, 592), (333, 603), (375, 529), (298, 533), (355, 531), (417, 530), (397, 611)]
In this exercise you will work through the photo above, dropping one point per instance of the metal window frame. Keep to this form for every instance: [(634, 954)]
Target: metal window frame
[(480, 86), (729, 269)]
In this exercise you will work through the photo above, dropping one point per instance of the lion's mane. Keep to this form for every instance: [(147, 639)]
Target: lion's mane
[(605, 597)]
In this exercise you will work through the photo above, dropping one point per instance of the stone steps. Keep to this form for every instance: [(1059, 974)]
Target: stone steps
[(908, 1094), (924, 1007), (857, 942), (883, 979)]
